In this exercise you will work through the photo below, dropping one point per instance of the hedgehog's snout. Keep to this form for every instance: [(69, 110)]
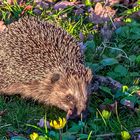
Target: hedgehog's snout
[(77, 112), (74, 114)]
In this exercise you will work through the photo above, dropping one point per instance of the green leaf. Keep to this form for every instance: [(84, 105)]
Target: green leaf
[(68, 136), (94, 67), (52, 133), (107, 101), (74, 129), (109, 61), (138, 59), (123, 31), (119, 94), (113, 74), (131, 98), (82, 136), (127, 103), (121, 70), (89, 51), (81, 123), (130, 31), (132, 58), (105, 89)]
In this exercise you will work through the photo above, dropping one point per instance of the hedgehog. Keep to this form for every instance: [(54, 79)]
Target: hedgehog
[(40, 60)]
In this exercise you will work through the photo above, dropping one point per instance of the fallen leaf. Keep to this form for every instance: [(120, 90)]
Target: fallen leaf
[(11, 134), (27, 8), (98, 8), (138, 92), (37, 11), (128, 103), (112, 2), (44, 5), (118, 21), (101, 13), (63, 4), (110, 107), (10, 1), (2, 26)]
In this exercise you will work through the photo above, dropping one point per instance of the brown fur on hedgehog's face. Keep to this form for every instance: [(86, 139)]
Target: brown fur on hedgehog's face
[(69, 94)]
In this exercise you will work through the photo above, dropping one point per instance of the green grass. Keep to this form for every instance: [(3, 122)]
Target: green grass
[(20, 112), (118, 58)]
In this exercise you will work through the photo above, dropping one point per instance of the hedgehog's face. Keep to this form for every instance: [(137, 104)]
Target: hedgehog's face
[(76, 100), (70, 94)]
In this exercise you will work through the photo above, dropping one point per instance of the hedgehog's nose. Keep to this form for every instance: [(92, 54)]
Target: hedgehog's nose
[(75, 115), (72, 113)]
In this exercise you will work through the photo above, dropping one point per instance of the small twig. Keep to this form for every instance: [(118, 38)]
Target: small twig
[(106, 135), (137, 130), (107, 81)]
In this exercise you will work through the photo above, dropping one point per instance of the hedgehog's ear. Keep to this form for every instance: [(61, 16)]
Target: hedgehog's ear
[(55, 77)]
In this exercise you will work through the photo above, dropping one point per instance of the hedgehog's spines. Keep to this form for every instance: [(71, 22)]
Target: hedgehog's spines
[(32, 52)]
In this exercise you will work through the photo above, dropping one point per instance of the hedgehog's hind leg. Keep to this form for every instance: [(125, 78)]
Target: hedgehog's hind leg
[(35, 90), (25, 90), (12, 89)]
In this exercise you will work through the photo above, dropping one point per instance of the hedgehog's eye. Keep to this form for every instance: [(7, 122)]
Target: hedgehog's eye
[(69, 98)]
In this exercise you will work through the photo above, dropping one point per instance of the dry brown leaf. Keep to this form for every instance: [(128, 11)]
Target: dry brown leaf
[(101, 13), (27, 8), (2, 26), (110, 107), (112, 2), (138, 92), (63, 4), (128, 103), (98, 8)]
